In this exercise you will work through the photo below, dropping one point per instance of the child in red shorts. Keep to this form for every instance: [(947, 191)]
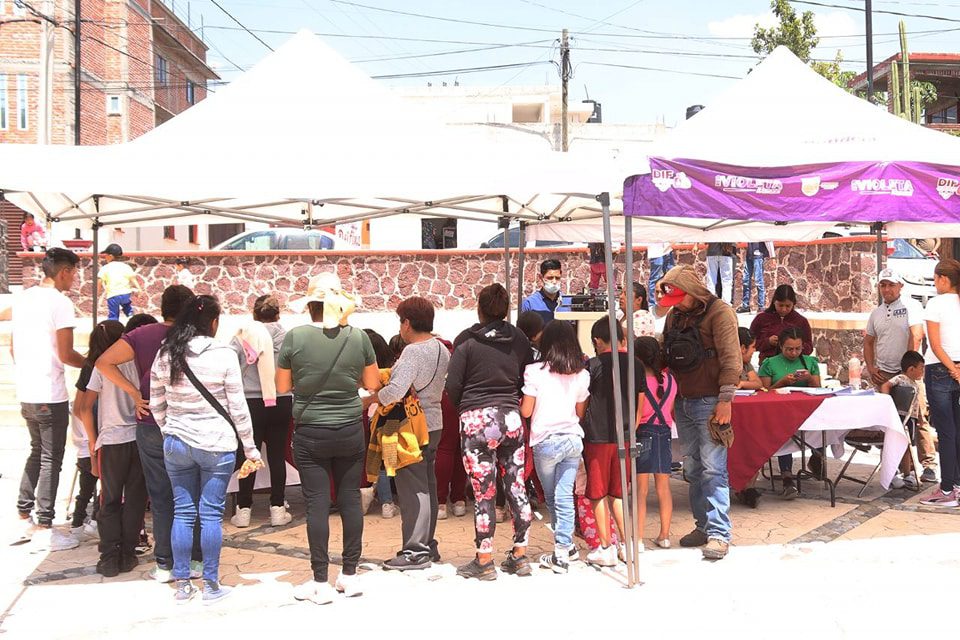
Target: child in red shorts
[(604, 480)]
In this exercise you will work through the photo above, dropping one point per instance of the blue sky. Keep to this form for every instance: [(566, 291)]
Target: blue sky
[(672, 39)]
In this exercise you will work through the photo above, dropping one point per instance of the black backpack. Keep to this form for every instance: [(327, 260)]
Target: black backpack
[(683, 347)]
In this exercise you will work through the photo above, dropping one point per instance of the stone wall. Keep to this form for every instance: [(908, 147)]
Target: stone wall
[(830, 275), (4, 269)]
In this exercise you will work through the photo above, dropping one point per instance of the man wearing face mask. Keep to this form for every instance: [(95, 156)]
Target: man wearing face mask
[(546, 300), (702, 348)]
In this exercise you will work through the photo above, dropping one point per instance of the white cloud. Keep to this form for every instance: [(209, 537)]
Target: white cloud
[(833, 23)]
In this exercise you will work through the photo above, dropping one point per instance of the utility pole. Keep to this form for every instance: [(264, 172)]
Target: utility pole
[(868, 12), (45, 97), (76, 72), (564, 89)]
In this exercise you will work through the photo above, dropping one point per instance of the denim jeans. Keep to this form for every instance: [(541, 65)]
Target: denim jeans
[(47, 424), (723, 264), (116, 303), (384, 492), (753, 269), (705, 467), (557, 459), (199, 479), (943, 395), (658, 269), (150, 447)]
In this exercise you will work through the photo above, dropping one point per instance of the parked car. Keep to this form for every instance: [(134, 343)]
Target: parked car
[(496, 242), (280, 239), (914, 266)]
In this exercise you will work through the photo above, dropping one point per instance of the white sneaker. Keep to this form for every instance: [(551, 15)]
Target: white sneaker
[(50, 539), (163, 576), (460, 508), (602, 557), (241, 518), (910, 482), (349, 586), (897, 482), (366, 499), (441, 512), (389, 510), (91, 529), (279, 516), (24, 530), (315, 592)]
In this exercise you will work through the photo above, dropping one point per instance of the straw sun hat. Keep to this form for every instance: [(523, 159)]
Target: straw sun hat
[(337, 303)]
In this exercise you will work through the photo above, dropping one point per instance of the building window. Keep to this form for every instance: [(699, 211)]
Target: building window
[(3, 101), (169, 233), (161, 68), (113, 105), (191, 93), (193, 234), (22, 102)]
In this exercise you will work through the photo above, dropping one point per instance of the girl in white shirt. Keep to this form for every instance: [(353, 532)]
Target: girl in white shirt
[(555, 393)]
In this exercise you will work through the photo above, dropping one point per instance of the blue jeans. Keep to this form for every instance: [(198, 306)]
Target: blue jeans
[(48, 425), (753, 269), (199, 479), (705, 467), (658, 269), (150, 447), (116, 303), (557, 459), (723, 264), (943, 395), (383, 491)]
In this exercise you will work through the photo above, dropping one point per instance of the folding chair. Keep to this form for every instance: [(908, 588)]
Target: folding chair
[(862, 440)]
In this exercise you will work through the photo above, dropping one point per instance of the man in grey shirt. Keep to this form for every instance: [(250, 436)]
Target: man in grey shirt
[(421, 368)]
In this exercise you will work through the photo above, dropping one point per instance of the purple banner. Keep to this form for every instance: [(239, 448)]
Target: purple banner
[(841, 192)]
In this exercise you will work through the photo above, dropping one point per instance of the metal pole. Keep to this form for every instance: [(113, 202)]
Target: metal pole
[(868, 12), (881, 247), (521, 256), (505, 223), (632, 373), (94, 270), (76, 78), (565, 74), (630, 541)]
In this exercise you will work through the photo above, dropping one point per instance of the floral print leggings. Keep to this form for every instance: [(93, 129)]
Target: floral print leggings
[(492, 437)]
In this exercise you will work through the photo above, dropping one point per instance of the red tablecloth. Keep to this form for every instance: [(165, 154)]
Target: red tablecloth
[(762, 423)]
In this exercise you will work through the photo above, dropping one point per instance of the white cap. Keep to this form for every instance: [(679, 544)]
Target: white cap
[(890, 276)]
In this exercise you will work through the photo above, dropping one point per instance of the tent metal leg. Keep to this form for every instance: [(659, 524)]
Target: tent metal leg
[(521, 256), (630, 542), (632, 373), (94, 271), (505, 224)]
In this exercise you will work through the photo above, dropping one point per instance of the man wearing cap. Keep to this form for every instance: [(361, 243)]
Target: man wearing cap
[(119, 282), (895, 327), (702, 348)]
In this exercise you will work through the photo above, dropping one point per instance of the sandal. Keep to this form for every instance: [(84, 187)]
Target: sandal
[(663, 543)]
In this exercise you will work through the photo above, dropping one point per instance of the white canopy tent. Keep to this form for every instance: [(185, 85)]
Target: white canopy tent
[(302, 138), (782, 114)]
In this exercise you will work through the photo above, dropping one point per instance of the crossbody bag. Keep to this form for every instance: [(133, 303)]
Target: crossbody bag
[(323, 380)]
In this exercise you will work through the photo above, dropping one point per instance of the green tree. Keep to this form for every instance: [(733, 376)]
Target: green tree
[(797, 33), (832, 71)]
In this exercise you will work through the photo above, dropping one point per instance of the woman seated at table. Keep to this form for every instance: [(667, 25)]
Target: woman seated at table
[(791, 369)]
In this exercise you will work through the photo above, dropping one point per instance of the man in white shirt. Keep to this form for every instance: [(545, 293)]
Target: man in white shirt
[(895, 327), (43, 322), (660, 259)]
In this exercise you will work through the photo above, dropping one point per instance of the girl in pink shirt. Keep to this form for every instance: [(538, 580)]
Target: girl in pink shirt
[(653, 435)]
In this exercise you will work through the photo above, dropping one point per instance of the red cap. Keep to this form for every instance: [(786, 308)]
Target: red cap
[(672, 295)]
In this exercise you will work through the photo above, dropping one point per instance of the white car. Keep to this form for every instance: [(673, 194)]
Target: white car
[(280, 239)]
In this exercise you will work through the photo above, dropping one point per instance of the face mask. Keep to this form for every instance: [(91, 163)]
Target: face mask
[(551, 287), (620, 315)]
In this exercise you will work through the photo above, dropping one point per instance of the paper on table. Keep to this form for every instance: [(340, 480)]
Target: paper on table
[(810, 391), (745, 392)]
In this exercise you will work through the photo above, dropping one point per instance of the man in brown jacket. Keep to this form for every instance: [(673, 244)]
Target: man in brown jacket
[(703, 352)]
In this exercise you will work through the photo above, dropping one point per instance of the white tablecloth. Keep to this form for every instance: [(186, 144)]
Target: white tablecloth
[(838, 415)]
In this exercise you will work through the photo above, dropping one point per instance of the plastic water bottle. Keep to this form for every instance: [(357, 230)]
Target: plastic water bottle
[(853, 372)]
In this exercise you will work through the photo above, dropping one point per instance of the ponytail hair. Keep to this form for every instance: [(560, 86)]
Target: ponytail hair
[(650, 353), (196, 318), (560, 349), (102, 338)]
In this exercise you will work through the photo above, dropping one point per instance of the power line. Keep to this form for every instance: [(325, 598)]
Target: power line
[(231, 16), (443, 72), (660, 69), (883, 11)]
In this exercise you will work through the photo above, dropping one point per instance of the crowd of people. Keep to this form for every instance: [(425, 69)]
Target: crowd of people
[(168, 413)]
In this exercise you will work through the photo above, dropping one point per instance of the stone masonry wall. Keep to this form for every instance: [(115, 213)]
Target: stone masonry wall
[(4, 270), (830, 275)]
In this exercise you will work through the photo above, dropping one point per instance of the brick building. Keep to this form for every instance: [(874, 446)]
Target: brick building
[(942, 70), (140, 65)]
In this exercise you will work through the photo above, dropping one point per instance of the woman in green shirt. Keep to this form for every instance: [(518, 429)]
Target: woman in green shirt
[(324, 363), (791, 369)]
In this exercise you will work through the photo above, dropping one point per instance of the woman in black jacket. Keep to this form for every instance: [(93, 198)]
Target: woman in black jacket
[(483, 382)]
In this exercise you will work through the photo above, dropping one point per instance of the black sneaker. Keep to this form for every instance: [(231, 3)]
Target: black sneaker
[(815, 464), (109, 566), (749, 497), (555, 564), (743, 309), (128, 563), (516, 565), (474, 569), (406, 563), (789, 490)]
